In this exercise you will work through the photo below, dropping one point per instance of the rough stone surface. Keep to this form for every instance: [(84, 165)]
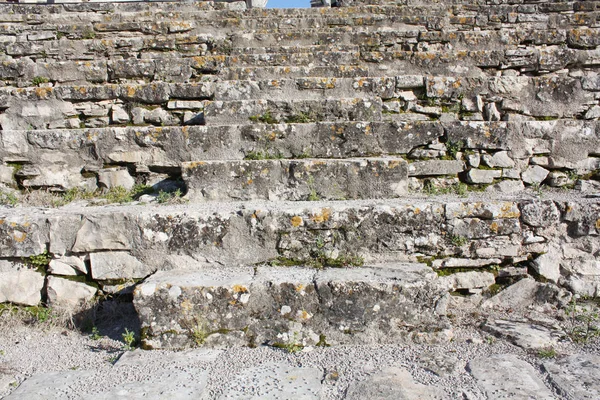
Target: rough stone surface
[(296, 304), (68, 294), (524, 334), (392, 383), (21, 286), (575, 376), (507, 377), (117, 265)]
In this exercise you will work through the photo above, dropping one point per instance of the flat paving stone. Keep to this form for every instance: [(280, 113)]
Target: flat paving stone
[(49, 386), (276, 381), (393, 383), (523, 334), (505, 376), (576, 377)]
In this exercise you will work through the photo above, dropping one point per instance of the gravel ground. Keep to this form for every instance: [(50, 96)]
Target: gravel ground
[(27, 350)]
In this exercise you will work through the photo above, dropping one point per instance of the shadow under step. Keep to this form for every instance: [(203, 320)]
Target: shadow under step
[(307, 179)]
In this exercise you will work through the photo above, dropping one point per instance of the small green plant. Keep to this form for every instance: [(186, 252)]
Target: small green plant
[(88, 34), (313, 195), (454, 147), (39, 314), (266, 118), (547, 352), (95, 334), (8, 199), (584, 321), (459, 241), (129, 339), (293, 346), (168, 197), (537, 189), (37, 80), (263, 155), (118, 194), (39, 260), (301, 118)]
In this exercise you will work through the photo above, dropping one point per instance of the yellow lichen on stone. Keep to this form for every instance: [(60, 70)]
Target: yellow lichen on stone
[(299, 288), (240, 289), (296, 221), (323, 216), (598, 223), (186, 305), (417, 211), (507, 213), (19, 236), (494, 227)]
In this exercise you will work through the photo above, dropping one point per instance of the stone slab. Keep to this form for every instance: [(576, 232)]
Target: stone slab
[(295, 179), (285, 305), (505, 376), (576, 376), (523, 334), (272, 381), (393, 383)]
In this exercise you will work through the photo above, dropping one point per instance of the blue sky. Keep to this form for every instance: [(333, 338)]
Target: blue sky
[(288, 3)]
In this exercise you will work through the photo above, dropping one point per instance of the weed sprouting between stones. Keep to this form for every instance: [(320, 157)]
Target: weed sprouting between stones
[(584, 321), (129, 339)]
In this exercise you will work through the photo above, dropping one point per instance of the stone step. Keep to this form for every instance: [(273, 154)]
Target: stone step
[(306, 179), (168, 19), (128, 243), (555, 152), (246, 111), (289, 305)]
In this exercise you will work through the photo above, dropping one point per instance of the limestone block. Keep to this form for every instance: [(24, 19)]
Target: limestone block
[(104, 232), (6, 175), (507, 187), (392, 383), (568, 374), (115, 177), (117, 265), (435, 167), (506, 376), (68, 294), (548, 265), (479, 176), (119, 115), (67, 265), (540, 213), (534, 174), (22, 235), (500, 159), (21, 286), (558, 179), (483, 210), (468, 280)]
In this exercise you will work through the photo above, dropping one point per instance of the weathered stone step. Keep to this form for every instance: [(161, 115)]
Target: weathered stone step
[(169, 19), (306, 179), (447, 232), (266, 72), (341, 109), (289, 306), (482, 152)]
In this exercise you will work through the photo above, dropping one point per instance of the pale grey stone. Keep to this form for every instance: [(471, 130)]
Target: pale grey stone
[(534, 174), (110, 178), (593, 113), (409, 82), (505, 376), (491, 113), (507, 187), (524, 334), (435, 167), (483, 176), (517, 296), (117, 265), (440, 363), (540, 213), (21, 286), (548, 265), (483, 210), (119, 115), (275, 381), (468, 280), (500, 159), (103, 232), (557, 179), (68, 294), (6, 175), (576, 376), (138, 114), (474, 160), (393, 383), (67, 265), (49, 385)]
